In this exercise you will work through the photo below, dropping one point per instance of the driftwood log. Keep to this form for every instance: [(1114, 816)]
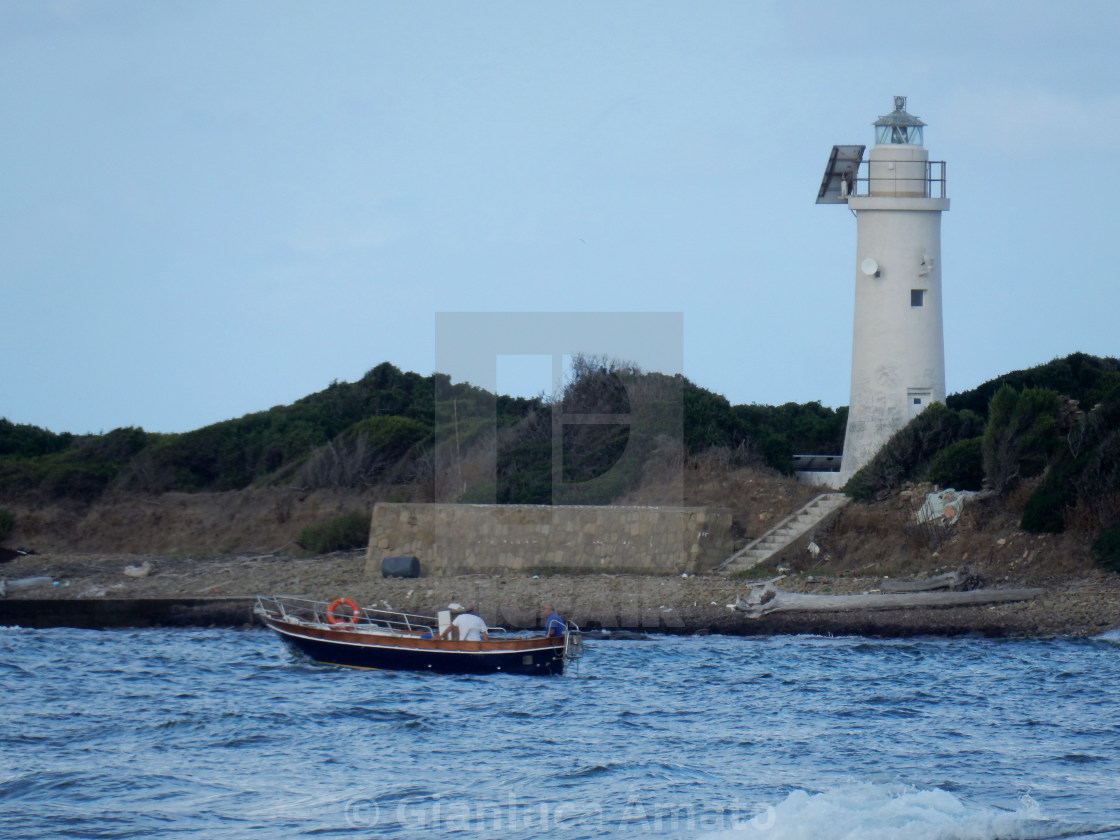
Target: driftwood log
[(19, 585), (766, 598), (949, 580)]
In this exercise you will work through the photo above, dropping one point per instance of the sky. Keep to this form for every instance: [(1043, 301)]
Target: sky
[(211, 208)]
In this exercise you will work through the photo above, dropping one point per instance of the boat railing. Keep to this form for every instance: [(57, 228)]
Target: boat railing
[(573, 648), (397, 621), (306, 610), (573, 642)]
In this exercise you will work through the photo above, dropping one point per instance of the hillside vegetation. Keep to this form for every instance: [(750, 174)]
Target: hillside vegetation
[(401, 430), (1046, 439)]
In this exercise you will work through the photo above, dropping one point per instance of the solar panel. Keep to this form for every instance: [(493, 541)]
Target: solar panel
[(842, 166)]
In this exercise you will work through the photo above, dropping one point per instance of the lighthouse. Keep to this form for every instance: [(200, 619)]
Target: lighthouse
[(898, 347)]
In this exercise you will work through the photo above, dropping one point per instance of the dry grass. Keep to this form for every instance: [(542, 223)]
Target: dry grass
[(865, 540)]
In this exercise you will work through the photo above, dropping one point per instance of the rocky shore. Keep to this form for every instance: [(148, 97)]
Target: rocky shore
[(219, 589)]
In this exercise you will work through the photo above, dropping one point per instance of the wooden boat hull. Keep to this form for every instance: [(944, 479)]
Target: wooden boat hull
[(357, 649)]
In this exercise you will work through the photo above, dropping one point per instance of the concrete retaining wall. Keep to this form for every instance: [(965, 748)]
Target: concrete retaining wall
[(101, 613), (495, 539)]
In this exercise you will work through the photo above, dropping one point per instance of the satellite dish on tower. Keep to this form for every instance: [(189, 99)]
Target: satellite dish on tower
[(869, 267)]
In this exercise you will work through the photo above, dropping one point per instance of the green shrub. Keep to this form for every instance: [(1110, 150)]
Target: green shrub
[(779, 432), (524, 472), (80, 472), (391, 436), (80, 480), (1106, 548), (366, 453), (1085, 378), (27, 441), (1021, 434), (118, 445), (1044, 512), (908, 451), (7, 523), (350, 530), (959, 465)]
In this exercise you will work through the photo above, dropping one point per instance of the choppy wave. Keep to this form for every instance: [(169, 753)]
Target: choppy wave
[(871, 811), (1112, 637)]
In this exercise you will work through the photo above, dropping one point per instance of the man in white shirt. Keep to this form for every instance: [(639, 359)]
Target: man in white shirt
[(466, 626)]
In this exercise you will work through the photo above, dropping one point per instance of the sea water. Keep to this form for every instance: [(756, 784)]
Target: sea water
[(223, 734)]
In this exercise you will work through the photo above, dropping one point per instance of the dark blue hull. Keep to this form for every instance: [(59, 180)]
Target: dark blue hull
[(532, 656)]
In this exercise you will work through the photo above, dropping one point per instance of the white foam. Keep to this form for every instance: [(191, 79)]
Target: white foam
[(1110, 636), (870, 811)]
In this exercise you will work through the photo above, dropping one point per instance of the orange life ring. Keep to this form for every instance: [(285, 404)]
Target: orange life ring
[(338, 602)]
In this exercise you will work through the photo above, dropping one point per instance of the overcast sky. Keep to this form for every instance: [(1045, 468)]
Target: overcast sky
[(211, 208)]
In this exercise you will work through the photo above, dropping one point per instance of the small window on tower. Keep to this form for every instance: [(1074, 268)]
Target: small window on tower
[(919, 399), (917, 297)]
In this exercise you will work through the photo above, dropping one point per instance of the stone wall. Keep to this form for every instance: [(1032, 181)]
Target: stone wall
[(493, 539)]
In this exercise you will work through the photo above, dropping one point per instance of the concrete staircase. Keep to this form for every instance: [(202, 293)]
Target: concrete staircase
[(785, 533)]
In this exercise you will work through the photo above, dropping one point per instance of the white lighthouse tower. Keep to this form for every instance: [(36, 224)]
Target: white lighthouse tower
[(898, 344)]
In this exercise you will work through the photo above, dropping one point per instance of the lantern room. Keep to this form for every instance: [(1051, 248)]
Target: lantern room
[(899, 128)]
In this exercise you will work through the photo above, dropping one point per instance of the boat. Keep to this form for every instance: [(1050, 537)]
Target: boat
[(342, 633)]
